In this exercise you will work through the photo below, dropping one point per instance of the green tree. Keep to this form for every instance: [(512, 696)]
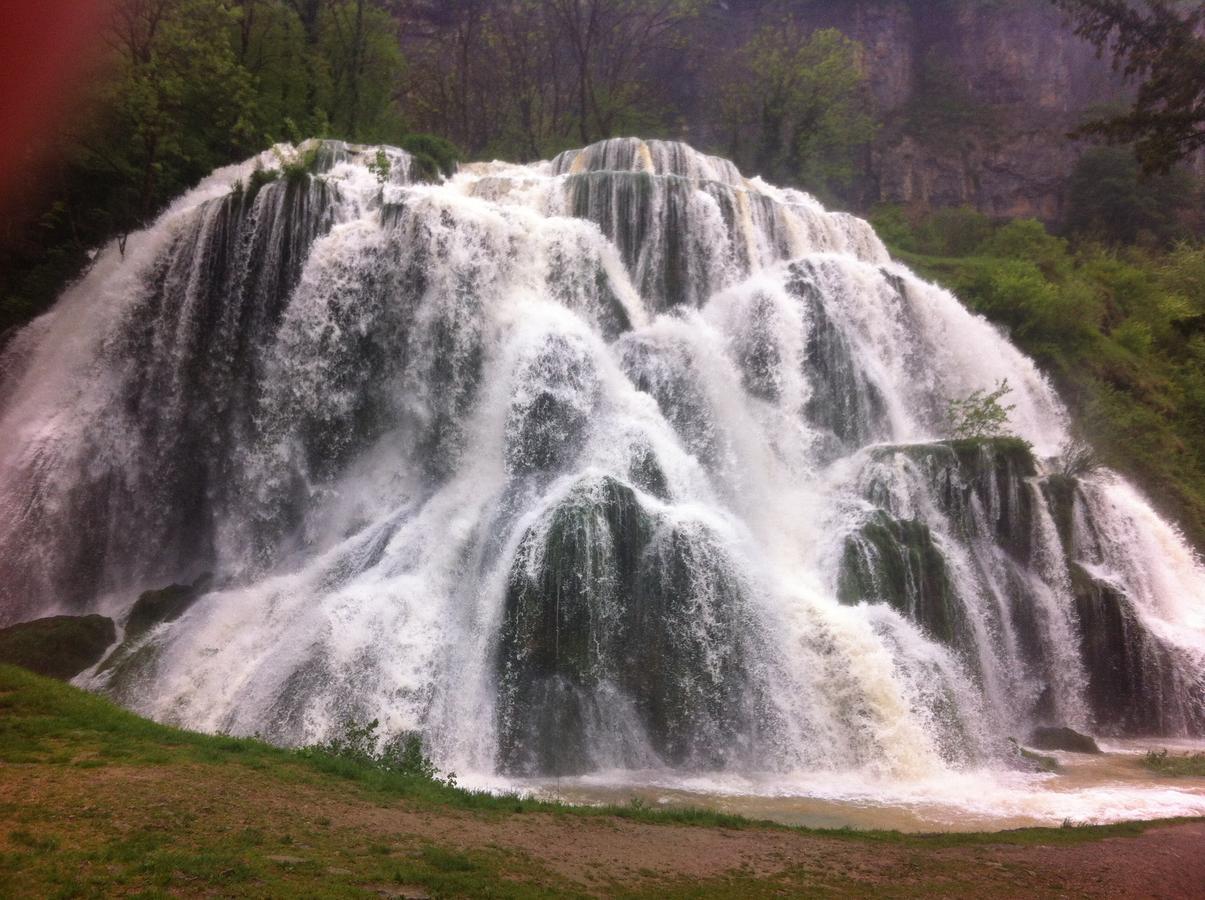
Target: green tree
[(610, 44), (1108, 200), (187, 86), (795, 105), (177, 105), (1160, 43), (980, 414)]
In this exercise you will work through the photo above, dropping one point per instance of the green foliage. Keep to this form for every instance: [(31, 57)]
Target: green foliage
[(434, 156), (380, 166), (360, 744), (1161, 43), (796, 109), (187, 86), (1120, 330), (1110, 201), (980, 414), (259, 177), (298, 164), (1191, 765)]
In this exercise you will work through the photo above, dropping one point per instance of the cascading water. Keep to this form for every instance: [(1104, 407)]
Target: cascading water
[(618, 462)]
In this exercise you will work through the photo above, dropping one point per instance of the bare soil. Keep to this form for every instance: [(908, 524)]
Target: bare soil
[(333, 830)]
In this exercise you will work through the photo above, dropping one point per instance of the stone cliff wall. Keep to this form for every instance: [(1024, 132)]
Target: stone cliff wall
[(975, 96)]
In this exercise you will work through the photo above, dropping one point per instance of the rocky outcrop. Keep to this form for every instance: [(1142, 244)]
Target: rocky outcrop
[(57, 646), (975, 98), (624, 637)]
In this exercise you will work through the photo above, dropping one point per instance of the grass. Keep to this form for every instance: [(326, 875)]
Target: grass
[(1162, 763), (95, 800)]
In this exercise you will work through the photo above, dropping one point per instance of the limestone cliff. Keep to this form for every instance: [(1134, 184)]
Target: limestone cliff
[(975, 96)]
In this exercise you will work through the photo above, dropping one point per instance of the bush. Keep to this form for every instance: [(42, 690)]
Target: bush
[(980, 415), (433, 156), (958, 231), (402, 755)]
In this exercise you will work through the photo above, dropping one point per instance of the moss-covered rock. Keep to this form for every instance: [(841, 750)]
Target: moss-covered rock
[(1027, 760), (1136, 684), (1062, 738), (622, 635), (896, 561), (979, 483), (134, 658), (162, 605), (1060, 492), (58, 646), (843, 402)]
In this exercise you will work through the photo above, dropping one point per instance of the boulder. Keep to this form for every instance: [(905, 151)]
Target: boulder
[(58, 646), (1061, 738)]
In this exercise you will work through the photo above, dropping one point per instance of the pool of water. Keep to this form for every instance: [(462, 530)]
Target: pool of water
[(1092, 789)]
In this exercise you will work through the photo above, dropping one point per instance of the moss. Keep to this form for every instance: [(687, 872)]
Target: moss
[(58, 646), (619, 624), (1060, 493), (1189, 765), (896, 561), (258, 178), (163, 605)]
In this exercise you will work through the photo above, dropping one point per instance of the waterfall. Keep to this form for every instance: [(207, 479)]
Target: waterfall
[(619, 461)]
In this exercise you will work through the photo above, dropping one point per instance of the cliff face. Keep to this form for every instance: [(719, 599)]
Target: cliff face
[(978, 105), (975, 96)]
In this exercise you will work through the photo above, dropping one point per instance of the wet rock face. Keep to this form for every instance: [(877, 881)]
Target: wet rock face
[(895, 561), (58, 646), (843, 402), (990, 503), (162, 605), (1062, 738), (623, 642), (1136, 684)]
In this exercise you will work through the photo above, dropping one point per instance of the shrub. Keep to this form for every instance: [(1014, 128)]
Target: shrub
[(1077, 458), (359, 743), (981, 414)]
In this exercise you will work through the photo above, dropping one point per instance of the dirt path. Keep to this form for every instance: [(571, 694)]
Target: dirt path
[(85, 808)]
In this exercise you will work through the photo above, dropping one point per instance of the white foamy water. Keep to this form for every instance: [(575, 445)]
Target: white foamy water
[(612, 465)]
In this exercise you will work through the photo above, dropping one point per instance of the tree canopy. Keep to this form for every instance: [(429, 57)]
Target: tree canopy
[(1160, 43)]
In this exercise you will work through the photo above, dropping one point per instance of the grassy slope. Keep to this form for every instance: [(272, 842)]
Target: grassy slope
[(95, 800)]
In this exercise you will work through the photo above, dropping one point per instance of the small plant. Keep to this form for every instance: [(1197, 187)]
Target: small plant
[(981, 414), (380, 166), (401, 755), (1077, 459), (297, 165), (1163, 763)]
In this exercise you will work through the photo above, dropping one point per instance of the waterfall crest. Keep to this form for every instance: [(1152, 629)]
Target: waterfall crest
[(618, 461)]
